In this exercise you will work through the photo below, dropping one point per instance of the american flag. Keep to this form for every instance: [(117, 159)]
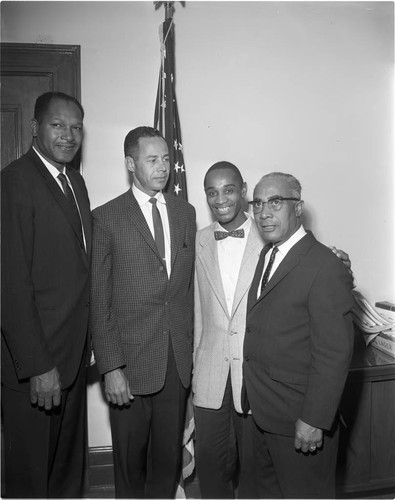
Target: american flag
[(167, 122), (166, 112)]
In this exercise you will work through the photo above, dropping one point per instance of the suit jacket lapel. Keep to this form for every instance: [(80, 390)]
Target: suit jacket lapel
[(253, 248), (139, 221), (174, 223), (56, 191), (290, 261), (209, 257)]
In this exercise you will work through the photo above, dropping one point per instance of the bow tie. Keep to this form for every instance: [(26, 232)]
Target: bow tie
[(220, 235)]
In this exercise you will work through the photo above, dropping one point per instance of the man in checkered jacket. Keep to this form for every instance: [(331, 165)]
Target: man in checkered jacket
[(142, 319)]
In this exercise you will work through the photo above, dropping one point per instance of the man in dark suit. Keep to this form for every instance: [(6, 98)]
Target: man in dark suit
[(141, 319), (46, 243), (297, 348)]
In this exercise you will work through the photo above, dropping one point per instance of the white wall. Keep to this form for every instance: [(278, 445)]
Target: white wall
[(302, 87)]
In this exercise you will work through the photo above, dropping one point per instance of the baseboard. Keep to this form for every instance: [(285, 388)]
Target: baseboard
[(101, 468)]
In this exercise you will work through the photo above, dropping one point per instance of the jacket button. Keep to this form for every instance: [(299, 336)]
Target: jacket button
[(246, 358), (248, 329)]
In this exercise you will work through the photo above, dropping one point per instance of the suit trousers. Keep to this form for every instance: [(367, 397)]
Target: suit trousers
[(147, 440), (224, 453), (45, 452), (287, 473)]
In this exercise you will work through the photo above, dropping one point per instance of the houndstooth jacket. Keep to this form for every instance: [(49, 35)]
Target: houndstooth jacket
[(135, 307)]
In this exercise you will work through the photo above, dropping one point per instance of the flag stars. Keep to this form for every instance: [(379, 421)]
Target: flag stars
[(177, 188), (175, 144), (178, 167)]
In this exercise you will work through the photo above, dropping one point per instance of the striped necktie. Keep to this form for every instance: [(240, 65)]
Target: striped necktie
[(269, 266)]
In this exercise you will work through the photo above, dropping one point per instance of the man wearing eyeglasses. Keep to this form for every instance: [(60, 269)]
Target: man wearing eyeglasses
[(227, 253), (297, 348)]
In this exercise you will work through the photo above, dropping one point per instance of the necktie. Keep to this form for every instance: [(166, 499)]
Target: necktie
[(73, 204), (158, 230), (269, 266), (220, 235)]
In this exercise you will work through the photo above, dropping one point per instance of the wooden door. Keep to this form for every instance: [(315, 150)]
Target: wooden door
[(28, 70)]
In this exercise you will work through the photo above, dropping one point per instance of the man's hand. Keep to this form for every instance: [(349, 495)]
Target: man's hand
[(45, 389), (117, 388), (307, 437), (343, 256)]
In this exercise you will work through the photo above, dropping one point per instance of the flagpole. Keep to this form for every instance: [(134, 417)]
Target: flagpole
[(169, 10)]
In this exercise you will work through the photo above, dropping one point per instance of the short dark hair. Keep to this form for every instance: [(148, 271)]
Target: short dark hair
[(44, 101), (222, 165), (131, 144)]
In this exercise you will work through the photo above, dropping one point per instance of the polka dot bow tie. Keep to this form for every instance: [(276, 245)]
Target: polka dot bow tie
[(220, 235)]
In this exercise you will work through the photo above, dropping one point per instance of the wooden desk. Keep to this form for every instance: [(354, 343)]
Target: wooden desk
[(366, 459)]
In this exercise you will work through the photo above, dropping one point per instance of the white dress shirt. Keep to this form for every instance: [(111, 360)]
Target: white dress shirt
[(230, 254), (283, 249), (146, 207)]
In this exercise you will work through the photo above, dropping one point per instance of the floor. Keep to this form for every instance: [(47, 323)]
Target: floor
[(191, 489), (192, 492)]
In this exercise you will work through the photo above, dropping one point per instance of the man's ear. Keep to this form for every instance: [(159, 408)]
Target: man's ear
[(129, 162), (34, 127), (299, 208), (244, 190)]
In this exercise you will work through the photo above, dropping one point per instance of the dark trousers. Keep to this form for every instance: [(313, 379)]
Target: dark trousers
[(224, 457), (284, 472), (45, 452), (147, 440)]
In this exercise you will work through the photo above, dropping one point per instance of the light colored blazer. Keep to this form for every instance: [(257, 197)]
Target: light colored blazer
[(218, 337)]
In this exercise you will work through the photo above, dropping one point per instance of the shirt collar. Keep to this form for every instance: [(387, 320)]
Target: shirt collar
[(143, 198), (285, 247), (53, 170), (246, 224)]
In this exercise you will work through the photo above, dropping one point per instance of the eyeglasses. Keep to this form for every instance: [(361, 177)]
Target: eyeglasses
[(274, 204)]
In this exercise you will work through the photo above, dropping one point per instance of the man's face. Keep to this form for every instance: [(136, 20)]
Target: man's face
[(151, 168), (277, 227), (59, 135), (225, 194)]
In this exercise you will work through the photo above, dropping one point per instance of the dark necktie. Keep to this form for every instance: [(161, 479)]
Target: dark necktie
[(158, 230), (73, 204), (220, 235), (269, 266)]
